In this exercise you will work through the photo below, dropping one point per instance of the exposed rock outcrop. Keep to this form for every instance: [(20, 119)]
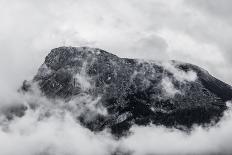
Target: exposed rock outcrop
[(125, 92)]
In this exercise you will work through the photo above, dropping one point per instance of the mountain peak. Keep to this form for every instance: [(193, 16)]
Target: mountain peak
[(120, 92)]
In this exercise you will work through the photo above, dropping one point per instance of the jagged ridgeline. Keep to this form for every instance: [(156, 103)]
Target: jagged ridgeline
[(119, 92)]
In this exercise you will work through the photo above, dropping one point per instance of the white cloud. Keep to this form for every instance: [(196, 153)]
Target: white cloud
[(178, 74), (168, 87), (199, 33), (39, 132), (152, 29)]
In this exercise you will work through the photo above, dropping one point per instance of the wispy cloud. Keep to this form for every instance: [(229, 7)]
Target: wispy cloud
[(194, 31)]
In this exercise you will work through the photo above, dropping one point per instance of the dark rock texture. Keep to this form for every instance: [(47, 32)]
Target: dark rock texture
[(132, 91)]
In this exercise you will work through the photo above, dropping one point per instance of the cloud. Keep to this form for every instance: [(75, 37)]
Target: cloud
[(169, 88), (152, 29), (213, 27), (52, 129), (158, 140), (150, 47), (196, 31), (178, 74), (220, 9), (54, 135)]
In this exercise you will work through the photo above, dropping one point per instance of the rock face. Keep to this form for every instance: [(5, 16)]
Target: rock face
[(125, 92)]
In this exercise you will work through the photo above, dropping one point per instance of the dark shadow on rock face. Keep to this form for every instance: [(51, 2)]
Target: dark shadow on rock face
[(131, 90)]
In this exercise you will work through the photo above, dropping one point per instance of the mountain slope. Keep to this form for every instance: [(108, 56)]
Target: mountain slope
[(118, 92)]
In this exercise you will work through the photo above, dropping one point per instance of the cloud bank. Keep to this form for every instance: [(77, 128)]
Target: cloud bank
[(198, 32), (51, 128), (194, 31)]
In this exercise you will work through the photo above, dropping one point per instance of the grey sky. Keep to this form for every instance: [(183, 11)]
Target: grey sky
[(195, 31)]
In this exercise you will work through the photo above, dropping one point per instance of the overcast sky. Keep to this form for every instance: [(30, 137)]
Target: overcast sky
[(195, 31)]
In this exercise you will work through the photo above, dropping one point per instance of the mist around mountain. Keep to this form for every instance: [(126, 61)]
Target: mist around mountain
[(88, 101)]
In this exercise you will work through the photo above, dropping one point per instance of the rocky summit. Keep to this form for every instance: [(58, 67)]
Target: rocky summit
[(120, 92)]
